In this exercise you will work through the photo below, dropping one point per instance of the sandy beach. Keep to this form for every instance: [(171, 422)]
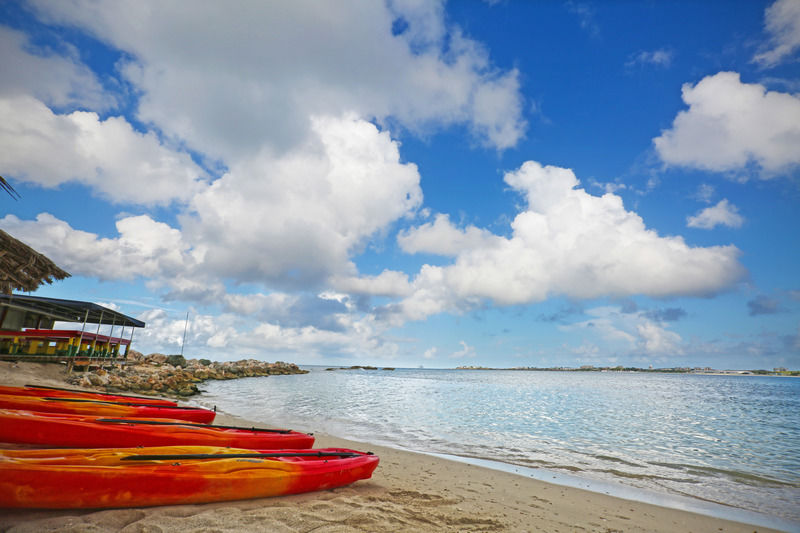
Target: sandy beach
[(408, 492)]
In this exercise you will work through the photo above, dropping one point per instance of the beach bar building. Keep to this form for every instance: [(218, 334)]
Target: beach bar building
[(26, 331), (27, 322)]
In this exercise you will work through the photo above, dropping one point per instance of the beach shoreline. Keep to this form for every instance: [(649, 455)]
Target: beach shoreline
[(409, 491)]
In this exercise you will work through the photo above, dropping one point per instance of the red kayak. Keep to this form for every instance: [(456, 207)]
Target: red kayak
[(54, 392), (171, 475), (55, 430), (100, 408)]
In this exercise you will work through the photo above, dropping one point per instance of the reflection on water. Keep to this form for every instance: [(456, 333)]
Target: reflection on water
[(727, 439)]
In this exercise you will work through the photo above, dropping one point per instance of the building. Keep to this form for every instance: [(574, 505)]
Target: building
[(27, 322), (26, 331)]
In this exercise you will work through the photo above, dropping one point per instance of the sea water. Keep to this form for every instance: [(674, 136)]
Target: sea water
[(730, 440)]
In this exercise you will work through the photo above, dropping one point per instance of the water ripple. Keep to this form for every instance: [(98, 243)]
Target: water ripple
[(732, 440)]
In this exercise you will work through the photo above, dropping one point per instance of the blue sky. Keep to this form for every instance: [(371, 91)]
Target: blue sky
[(416, 183)]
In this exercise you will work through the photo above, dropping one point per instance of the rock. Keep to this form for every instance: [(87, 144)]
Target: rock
[(174, 375), (96, 380), (176, 360)]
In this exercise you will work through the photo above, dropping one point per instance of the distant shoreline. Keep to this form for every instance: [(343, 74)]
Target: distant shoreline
[(625, 370)]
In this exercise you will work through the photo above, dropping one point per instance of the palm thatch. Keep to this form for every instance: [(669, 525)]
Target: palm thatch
[(6, 186), (24, 269)]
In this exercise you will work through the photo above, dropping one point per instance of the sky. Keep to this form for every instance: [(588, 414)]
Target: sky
[(416, 183)]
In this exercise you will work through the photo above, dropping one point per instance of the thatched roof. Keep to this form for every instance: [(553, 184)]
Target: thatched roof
[(22, 268), (6, 186)]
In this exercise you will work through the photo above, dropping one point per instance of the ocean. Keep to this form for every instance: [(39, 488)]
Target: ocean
[(708, 443)]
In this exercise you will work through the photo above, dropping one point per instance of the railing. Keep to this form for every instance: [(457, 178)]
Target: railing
[(57, 344)]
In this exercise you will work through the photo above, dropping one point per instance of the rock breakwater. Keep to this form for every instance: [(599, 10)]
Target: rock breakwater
[(173, 374)]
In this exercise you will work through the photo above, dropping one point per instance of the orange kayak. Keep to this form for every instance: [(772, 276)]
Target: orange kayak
[(54, 392), (85, 407), (171, 475), (55, 430)]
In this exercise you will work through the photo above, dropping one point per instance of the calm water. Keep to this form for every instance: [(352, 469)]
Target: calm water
[(725, 439)]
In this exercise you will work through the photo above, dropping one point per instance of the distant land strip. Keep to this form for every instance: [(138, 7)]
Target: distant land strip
[(676, 370)]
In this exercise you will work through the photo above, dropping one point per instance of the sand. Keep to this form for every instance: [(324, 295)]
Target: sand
[(408, 492)]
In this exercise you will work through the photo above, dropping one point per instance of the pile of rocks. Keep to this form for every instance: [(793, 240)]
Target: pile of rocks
[(173, 374)]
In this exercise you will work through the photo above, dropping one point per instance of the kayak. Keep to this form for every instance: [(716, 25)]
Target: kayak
[(55, 430), (54, 392), (170, 475), (104, 408)]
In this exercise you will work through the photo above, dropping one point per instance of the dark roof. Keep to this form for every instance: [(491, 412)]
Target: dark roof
[(22, 268), (69, 310)]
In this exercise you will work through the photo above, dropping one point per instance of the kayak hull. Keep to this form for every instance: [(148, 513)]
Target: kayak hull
[(100, 408), (52, 392), (54, 430), (100, 478)]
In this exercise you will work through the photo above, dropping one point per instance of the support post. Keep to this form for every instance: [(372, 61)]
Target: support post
[(185, 327), (80, 342)]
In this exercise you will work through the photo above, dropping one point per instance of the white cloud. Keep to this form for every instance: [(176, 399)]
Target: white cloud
[(58, 80), (119, 163), (430, 353), (442, 238), (629, 332), (705, 192), (782, 22), (466, 352), (144, 248), (223, 337), (297, 219), (568, 242), (654, 339), (229, 87), (291, 221), (730, 124), (724, 213), (659, 58), (387, 283)]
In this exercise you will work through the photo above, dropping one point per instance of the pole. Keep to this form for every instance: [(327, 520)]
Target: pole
[(185, 327), (80, 341)]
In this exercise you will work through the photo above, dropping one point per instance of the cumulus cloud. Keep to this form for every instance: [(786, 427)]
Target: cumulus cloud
[(730, 124), (724, 214), (293, 221), (654, 339), (109, 156), (782, 23), (224, 337), (296, 219), (441, 237), (223, 87), (145, 247), (387, 283), (59, 79), (568, 242), (631, 332)]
